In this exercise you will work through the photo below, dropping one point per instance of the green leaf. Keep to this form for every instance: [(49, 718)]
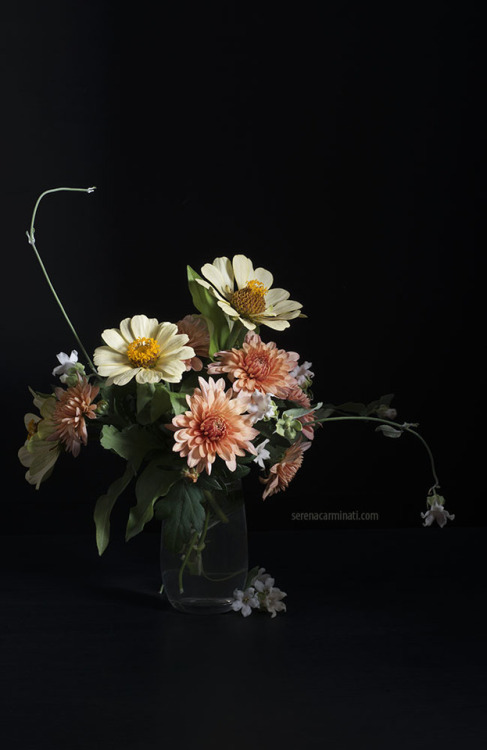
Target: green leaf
[(161, 402), (131, 443), (104, 506), (178, 402), (154, 482), (301, 412), (145, 393), (183, 514)]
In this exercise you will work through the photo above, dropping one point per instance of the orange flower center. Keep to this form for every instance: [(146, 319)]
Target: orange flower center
[(249, 300), (213, 428), (143, 352)]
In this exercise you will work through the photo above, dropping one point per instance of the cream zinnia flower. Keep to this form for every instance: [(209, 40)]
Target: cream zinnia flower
[(145, 349), (215, 425), (39, 452), (254, 302)]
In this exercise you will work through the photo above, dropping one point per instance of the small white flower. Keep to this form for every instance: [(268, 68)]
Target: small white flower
[(273, 602), (245, 601), (262, 581), (302, 373), (261, 406), (66, 363), (269, 596), (262, 454), (437, 513)]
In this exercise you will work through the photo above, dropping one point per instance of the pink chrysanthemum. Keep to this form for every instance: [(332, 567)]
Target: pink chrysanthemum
[(73, 406), (285, 470), (257, 366), (199, 339), (215, 425)]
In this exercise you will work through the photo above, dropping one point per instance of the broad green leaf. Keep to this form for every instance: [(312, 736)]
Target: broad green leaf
[(301, 412), (104, 506), (132, 443), (145, 394), (161, 402), (178, 402), (154, 482), (183, 513)]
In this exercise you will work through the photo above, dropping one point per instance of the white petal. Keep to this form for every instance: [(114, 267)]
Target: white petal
[(123, 377), (114, 339), (243, 269), (126, 330), (274, 296), (105, 355), (220, 274), (146, 375), (144, 327), (264, 276)]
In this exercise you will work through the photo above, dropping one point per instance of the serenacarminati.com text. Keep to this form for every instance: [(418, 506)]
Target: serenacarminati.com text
[(341, 515)]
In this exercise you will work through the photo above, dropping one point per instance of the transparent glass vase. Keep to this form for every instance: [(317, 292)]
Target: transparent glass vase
[(203, 574)]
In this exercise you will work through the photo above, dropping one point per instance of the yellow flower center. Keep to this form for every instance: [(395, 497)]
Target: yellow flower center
[(31, 429), (249, 300), (143, 352)]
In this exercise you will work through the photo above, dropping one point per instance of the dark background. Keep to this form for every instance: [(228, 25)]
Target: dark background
[(340, 145)]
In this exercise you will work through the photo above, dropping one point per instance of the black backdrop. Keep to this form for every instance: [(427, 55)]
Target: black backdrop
[(340, 145)]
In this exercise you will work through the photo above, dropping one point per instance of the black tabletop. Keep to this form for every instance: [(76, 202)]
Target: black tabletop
[(382, 645)]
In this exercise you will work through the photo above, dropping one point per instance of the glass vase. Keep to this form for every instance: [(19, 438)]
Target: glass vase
[(201, 576)]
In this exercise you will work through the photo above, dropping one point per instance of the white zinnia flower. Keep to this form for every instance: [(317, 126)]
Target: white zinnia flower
[(67, 361), (437, 513), (245, 601), (145, 349), (254, 302), (262, 454)]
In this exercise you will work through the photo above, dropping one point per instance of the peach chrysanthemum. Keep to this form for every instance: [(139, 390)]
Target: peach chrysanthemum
[(299, 397), (284, 471), (215, 425), (196, 329), (257, 366), (73, 406)]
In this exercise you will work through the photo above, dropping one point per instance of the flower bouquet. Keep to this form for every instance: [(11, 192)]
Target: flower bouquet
[(191, 407)]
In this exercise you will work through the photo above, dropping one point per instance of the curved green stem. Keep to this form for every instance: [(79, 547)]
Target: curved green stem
[(397, 427), (30, 236)]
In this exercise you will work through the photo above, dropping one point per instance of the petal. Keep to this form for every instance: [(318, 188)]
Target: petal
[(243, 269), (105, 355), (114, 339), (264, 276), (142, 326), (124, 377), (126, 330), (146, 375), (274, 296), (220, 274)]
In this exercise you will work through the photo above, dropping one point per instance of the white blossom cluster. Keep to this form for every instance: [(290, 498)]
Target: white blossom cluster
[(261, 594)]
